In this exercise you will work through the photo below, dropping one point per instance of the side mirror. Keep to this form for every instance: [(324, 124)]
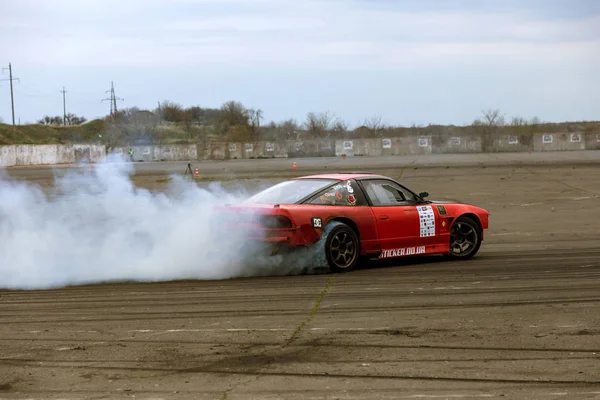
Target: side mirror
[(423, 195)]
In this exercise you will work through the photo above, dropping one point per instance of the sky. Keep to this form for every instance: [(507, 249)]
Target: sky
[(406, 61)]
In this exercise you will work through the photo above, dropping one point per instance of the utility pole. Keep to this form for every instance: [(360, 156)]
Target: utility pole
[(64, 107), (12, 98), (113, 100)]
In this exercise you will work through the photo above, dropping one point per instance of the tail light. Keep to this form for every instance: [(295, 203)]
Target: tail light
[(276, 222)]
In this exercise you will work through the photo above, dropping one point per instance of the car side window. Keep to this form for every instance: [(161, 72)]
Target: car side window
[(341, 194), (384, 193)]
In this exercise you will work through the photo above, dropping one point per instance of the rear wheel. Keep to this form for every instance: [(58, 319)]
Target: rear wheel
[(342, 248), (465, 239)]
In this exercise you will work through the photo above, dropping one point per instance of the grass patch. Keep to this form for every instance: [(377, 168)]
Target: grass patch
[(49, 134)]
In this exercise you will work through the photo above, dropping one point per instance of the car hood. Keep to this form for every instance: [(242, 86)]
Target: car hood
[(449, 201)]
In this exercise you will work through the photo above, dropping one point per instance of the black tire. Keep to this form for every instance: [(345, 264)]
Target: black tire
[(342, 248), (465, 239)]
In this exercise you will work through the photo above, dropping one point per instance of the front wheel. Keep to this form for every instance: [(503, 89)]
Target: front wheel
[(465, 239), (342, 248)]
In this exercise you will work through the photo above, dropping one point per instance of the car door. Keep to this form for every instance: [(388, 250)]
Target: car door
[(401, 221)]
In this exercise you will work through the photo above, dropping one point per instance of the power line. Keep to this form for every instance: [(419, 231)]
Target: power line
[(113, 100), (64, 106), (12, 97)]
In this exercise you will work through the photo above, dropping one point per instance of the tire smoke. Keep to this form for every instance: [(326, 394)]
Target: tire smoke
[(96, 226)]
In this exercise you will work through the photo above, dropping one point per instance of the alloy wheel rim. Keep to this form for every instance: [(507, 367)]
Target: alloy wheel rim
[(342, 250), (463, 239)]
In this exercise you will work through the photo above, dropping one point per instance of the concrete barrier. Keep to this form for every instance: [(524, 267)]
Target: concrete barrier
[(158, 153), (592, 141), (442, 144), (358, 147), (254, 150), (559, 142), (175, 153), (512, 143), (310, 148), (39, 155), (84, 153), (218, 151), (215, 150), (8, 156)]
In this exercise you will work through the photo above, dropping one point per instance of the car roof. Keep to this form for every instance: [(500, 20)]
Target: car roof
[(343, 176)]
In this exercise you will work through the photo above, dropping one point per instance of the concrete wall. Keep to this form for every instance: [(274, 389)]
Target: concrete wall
[(50, 154), (85, 153), (159, 153), (8, 156), (592, 141), (436, 144), (559, 142), (442, 144), (511, 143), (310, 148)]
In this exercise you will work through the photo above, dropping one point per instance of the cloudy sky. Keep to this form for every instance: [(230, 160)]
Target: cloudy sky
[(409, 61)]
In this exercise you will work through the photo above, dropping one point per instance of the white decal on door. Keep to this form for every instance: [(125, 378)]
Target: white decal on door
[(426, 221)]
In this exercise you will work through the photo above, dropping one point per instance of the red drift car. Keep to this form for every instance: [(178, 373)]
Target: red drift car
[(359, 215)]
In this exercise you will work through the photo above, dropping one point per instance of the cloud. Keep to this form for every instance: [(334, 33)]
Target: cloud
[(308, 34)]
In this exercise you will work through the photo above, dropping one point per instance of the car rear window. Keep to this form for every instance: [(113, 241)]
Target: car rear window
[(289, 192)]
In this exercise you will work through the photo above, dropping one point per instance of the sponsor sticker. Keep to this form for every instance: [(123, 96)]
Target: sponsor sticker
[(403, 252), (547, 138), (455, 141), (351, 199), (441, 210), (317, 222), (426, 221)]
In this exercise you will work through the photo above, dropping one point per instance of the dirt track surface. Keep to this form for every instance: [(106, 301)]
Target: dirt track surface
[(518, 321)]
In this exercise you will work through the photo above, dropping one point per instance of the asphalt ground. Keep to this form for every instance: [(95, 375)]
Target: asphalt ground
[(518, 321)]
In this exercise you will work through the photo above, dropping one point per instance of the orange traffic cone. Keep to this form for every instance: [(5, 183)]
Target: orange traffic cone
[(197, 174), (294, 167)]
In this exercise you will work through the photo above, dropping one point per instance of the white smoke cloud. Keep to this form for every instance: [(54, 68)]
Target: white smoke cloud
[(96, 226)]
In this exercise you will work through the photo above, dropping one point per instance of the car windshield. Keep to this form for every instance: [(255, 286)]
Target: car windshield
[(289, 192)]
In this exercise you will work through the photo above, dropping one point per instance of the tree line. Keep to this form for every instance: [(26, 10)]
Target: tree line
[(234, 121)]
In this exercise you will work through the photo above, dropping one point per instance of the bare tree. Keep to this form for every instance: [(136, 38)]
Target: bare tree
[(340, 126), (170, 111), (288, 128), (234, 113), (318, 124), (73, 119), (254, 117), (489, 122), (375, 125), (48, 120)]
